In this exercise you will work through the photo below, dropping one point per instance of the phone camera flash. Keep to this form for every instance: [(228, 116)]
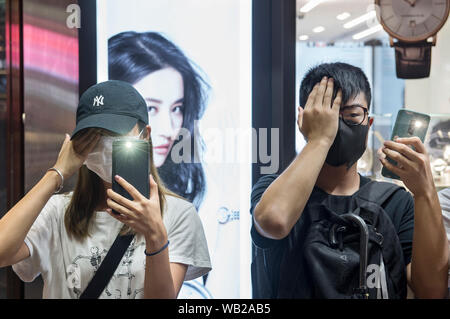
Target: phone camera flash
[(418, 124)]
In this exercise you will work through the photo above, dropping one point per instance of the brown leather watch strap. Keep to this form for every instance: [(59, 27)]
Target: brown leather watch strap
[(413, 60)]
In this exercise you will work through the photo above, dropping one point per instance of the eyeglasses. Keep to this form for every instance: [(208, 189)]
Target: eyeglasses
[(353, 114)]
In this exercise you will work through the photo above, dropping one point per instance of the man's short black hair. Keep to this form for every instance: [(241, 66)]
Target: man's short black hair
[(349, 78)]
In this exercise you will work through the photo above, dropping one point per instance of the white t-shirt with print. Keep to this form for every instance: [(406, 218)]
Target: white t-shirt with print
[(68, 265)]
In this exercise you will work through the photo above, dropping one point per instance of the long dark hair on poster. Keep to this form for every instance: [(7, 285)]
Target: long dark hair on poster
[(132, 56)]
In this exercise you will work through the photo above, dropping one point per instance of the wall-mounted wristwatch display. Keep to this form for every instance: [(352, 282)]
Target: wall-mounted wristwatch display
[(413, 26)]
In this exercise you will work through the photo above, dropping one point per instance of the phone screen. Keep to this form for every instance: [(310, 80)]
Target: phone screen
[(131, 161), (407, 124)]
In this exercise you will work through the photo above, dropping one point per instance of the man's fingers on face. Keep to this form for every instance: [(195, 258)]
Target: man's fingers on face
[(318, 101), (312, 97), (337, 101), (328, 93)]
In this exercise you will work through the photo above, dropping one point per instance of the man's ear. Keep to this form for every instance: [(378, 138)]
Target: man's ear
[(300, 118), (370, 124)]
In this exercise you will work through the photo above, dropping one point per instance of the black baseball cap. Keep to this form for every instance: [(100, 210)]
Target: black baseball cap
[(113, 105)]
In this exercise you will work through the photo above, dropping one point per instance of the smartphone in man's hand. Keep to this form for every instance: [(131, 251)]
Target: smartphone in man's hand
[(407, 124)]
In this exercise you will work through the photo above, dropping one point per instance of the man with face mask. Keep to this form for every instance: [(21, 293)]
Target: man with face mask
[(333, 118)]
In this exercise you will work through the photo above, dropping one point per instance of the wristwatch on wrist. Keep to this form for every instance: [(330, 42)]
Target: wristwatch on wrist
[(224, 215), (413, 26)]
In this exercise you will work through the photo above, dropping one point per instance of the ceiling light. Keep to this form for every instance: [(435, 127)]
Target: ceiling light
[(318, 29), (343, 16), (361, 19), (311, 4), (367, 32), (303, 37)]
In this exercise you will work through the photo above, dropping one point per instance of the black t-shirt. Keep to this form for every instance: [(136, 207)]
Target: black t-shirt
[(399, 208)]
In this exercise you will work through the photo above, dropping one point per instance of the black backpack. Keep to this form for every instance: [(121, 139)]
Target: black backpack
[(330, 255)]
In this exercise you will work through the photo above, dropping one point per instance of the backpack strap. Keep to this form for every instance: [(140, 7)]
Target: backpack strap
[(107, 267), (377, 192), (371, 197)]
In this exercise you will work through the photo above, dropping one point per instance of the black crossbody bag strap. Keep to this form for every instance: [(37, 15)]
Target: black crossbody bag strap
[(107, 267)]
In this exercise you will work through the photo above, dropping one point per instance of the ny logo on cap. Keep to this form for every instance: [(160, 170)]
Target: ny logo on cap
[(98, 100)]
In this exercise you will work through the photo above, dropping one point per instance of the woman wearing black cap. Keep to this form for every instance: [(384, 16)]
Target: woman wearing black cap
[(66, 237), (175, 93)]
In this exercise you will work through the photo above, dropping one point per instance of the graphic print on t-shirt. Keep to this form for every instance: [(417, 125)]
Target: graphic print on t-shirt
[(73, 271), (124, 270)]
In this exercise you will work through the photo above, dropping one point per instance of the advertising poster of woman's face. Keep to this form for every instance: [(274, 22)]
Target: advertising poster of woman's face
[(196, 83), (163, 91)]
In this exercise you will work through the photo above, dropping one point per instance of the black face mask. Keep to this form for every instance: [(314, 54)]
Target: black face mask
[(348, 146)]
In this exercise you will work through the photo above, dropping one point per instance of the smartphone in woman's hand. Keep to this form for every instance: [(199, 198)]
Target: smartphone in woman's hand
[(131, 161)]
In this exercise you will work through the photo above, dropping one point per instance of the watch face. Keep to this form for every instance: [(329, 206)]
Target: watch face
[(413, 20)]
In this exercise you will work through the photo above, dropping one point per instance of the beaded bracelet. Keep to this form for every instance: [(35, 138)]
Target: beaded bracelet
[(157, 252)]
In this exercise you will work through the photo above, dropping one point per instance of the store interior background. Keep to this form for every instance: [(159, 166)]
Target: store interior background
[(50, 77), (336, 41)]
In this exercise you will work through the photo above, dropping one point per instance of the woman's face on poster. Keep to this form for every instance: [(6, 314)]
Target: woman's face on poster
[(163, 90)]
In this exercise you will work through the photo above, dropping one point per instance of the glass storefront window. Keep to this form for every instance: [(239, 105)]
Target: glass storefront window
[(329, 33), (337, 42)]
